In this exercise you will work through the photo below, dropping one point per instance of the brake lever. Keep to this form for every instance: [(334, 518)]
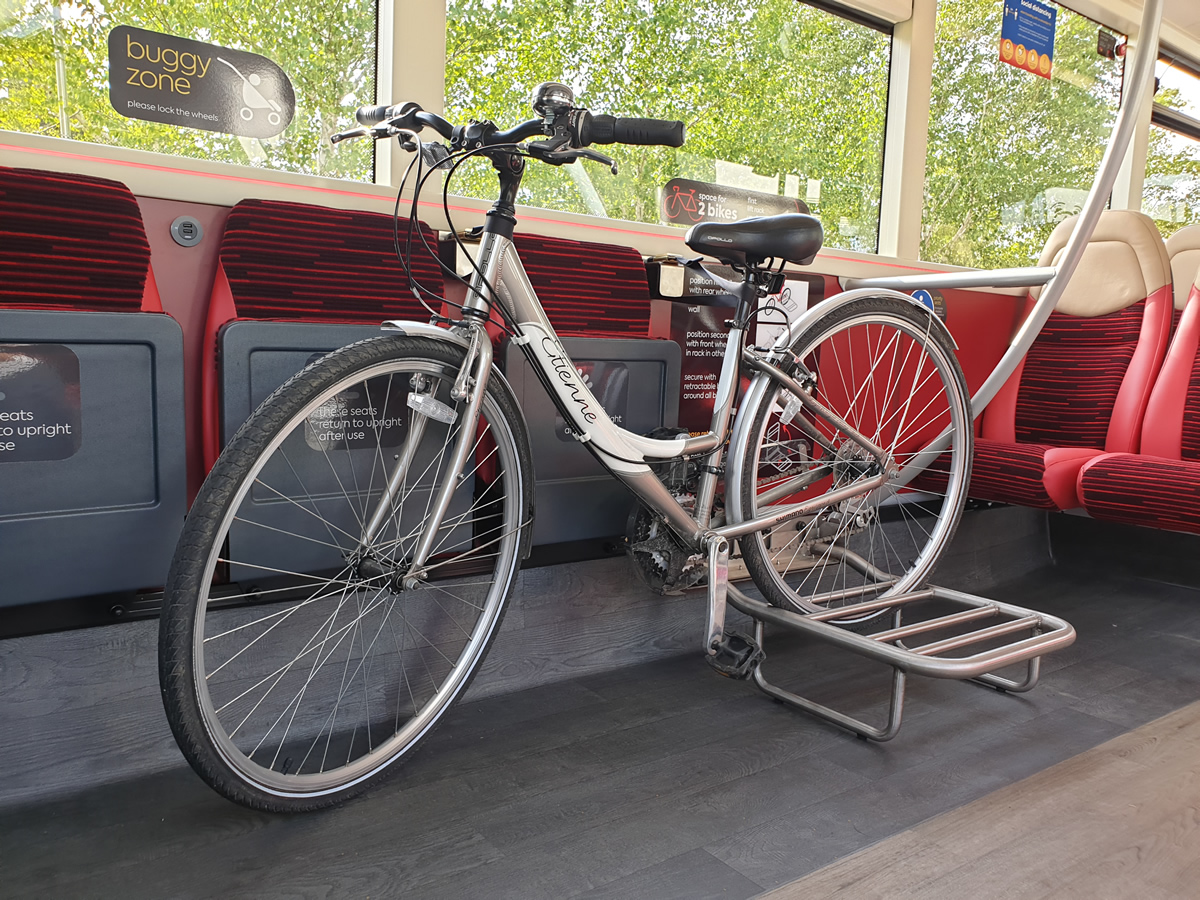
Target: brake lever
[(347, 135), (574, 154), (378, 132)]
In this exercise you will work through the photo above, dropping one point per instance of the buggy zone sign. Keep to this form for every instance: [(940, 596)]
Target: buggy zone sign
[(176, 81)]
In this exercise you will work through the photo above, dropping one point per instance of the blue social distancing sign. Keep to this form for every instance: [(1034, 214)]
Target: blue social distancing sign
[(1027, 36)]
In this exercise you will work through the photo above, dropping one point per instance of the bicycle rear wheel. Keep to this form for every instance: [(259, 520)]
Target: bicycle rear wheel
[(885, 368), (296, 662)]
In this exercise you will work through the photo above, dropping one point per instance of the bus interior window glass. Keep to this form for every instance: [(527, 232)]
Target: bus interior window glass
[(54, 68), (778, 97), (1012, 152), (1171, 193)]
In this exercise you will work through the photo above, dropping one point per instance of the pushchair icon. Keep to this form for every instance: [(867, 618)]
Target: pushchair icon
[(253, 97)]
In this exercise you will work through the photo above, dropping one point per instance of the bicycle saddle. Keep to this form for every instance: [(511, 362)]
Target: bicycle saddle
[(794, 237)]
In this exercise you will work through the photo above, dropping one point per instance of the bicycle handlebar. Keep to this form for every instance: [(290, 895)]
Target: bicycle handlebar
[(585, 128)]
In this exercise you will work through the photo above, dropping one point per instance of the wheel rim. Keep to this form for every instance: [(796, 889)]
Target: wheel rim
[(893, 382), (312, 693)]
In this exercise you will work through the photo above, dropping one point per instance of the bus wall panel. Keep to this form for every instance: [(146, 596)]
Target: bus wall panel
[(185, 279)]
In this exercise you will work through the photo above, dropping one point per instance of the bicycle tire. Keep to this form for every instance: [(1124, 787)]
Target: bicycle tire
[(282, 729), (882, 542)]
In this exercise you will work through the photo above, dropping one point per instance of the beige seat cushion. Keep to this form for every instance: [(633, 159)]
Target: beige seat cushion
[(1126, 261), (1183, 247)]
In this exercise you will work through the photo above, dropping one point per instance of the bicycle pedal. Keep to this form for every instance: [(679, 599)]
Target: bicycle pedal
[(736, 656)]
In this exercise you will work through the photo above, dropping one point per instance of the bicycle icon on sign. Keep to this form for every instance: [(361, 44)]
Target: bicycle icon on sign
[(680, 204)]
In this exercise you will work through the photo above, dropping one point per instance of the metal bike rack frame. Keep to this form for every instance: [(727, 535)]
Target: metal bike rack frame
[(1045, 633)]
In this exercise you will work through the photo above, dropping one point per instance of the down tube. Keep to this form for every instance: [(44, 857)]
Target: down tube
[(591, 423)]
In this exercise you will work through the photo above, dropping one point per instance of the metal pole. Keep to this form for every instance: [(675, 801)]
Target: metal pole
[(1055, 278), (1143, 71)]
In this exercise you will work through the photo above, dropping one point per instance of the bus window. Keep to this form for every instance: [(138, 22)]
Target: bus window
[(1171, 194), (778, 97), (1011, 153), (54, 67)]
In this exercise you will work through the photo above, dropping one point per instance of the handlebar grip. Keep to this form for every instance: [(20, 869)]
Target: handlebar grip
[(649, 131), (611, 130), (373, 115)]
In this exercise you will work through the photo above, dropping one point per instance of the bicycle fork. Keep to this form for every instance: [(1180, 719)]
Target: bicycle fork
[(470, 385)]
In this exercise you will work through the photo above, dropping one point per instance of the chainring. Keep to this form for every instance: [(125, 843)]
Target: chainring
[(659, 558)]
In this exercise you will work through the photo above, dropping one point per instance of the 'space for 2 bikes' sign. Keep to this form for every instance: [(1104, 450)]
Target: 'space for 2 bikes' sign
[(687, 202), (176, 81)]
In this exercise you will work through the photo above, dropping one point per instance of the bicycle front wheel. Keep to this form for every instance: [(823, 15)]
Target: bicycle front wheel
[(886, 370), (299, 656)]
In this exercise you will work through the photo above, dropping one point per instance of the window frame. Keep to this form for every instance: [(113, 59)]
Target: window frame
[(417, 29), (1168, 117)]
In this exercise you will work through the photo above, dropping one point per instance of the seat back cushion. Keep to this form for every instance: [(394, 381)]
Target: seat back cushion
[(1183, 249), (1086, 379), (1172, 425), (72, 242), (309, 263), (588, 290)]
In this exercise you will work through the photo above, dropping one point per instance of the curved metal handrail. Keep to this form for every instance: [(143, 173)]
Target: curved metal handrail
[(1055, 278)]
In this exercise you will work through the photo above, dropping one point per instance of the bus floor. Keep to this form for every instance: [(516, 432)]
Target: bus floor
[(659, 780)]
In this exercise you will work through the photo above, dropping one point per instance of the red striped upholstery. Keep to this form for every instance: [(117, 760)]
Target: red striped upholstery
[(1160, 487), (1010, 473), (1084, 385), (1072, 375), (1143, 490), (72, 242), (310, 263), (1035, 475), (1190, 426), (588, 290)]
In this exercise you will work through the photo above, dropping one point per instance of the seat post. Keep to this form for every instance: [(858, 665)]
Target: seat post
[(747, 299)]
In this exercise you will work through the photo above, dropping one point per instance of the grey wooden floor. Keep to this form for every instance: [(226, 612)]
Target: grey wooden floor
[(653, 781), (1119, 821)]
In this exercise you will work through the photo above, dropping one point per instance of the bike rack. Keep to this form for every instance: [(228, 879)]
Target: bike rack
[(1043, 634)]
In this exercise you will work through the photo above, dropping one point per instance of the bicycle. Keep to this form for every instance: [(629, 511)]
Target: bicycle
[(349, 558)]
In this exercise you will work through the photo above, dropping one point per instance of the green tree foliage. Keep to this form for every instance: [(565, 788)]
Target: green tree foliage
[(327, 48), (1010, 152), (771, 84)]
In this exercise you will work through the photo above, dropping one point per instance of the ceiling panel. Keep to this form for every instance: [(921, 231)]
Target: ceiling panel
[(1185, 15)]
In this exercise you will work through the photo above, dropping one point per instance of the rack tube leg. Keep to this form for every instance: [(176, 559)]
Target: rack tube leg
[(1032, 672), (862, 729)]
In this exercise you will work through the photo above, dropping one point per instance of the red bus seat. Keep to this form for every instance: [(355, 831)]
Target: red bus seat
[(92, 453), (1083, 387), (293, 263), (1183, 249), (588, 290), (73, 242), (1160, 486)]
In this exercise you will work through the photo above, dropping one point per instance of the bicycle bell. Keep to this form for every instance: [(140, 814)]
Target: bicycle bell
[(551, 99)]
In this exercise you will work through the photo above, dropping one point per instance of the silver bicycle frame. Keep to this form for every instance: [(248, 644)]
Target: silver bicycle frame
[(622, 452), (500, 274)]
